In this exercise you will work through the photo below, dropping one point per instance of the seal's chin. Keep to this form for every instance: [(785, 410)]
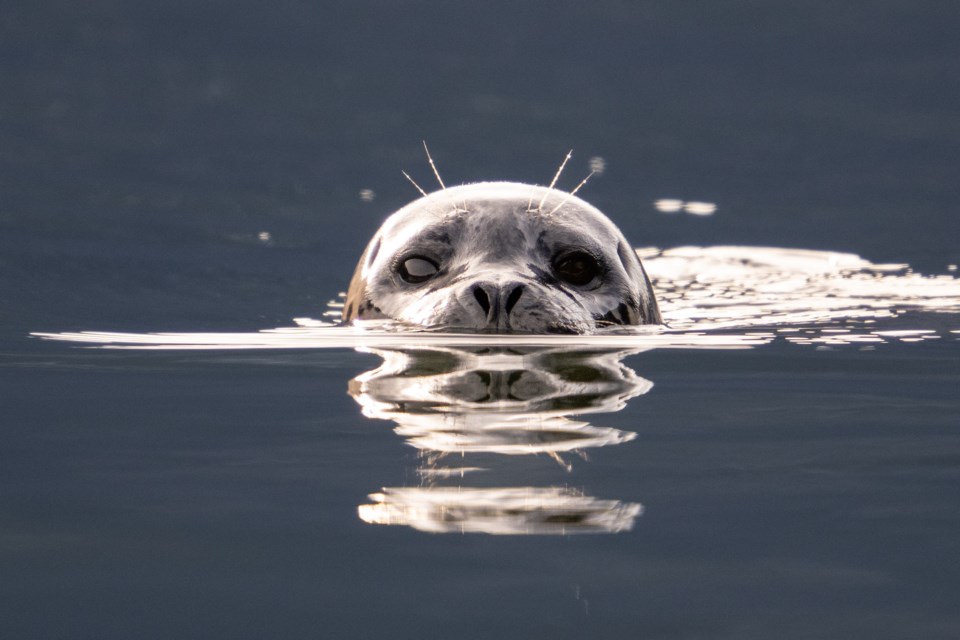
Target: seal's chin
[(560, 329), (529, 308)]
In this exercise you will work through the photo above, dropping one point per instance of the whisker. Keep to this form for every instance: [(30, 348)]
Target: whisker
[(407, 176), (555, 178), (574, 192), (433, 166)]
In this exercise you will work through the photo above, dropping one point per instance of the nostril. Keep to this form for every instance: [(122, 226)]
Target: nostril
[(482, 299), (513, 298)]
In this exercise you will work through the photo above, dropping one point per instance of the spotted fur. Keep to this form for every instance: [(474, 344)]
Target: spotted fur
[(496, 270)]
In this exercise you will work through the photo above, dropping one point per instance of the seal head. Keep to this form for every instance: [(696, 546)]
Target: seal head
[(501, 257)]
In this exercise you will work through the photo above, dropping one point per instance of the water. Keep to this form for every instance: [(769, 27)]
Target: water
[(780, 462)]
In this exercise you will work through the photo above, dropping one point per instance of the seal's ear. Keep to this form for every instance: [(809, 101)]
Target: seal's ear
[(357, 303), (645, 311)]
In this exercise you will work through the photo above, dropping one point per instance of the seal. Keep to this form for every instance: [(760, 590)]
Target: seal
[(501, 257)]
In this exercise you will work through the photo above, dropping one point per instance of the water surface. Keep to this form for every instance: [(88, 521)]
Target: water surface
[(180, 181)]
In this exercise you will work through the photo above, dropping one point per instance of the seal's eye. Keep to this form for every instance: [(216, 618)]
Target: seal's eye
[(578, 268), (417, 269)]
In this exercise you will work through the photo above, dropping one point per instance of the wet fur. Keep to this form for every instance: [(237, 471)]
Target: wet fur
[(490, 238)]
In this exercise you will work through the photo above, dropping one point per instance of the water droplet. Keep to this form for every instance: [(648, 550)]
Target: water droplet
[(668, 205), (700, 208)]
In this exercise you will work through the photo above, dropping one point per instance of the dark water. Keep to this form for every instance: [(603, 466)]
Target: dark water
[(786, 491)]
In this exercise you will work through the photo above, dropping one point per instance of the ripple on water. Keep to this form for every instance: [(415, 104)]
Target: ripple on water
[(710, 297), (504, 400)]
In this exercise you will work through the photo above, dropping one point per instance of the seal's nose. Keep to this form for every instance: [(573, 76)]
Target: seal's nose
[(497, 301)]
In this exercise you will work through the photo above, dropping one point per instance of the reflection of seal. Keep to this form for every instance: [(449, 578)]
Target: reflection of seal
[(505, 401), (499, 511), (501, 257)]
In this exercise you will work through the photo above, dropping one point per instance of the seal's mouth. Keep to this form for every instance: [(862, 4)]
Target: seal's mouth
[(555, 329)]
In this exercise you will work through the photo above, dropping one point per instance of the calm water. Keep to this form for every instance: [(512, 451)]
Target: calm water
[(198, 168)]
